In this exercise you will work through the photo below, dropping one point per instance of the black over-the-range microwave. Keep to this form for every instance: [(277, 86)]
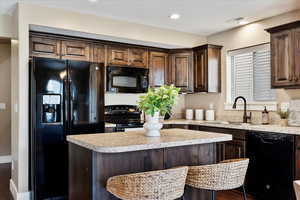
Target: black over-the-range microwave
[(127, 79)]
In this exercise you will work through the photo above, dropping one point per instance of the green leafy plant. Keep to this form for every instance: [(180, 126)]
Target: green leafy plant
[(160, 100), (283, 114)]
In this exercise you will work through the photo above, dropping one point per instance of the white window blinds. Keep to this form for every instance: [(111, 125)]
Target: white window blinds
[(251, 74)]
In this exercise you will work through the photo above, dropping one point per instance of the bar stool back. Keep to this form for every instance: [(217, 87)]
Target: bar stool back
[(297, 189), (159, 185), (226, 175)]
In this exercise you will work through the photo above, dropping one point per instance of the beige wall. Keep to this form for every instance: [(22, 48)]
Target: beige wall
[(6, 29), (5, 92), (249, 35), (25, 15)]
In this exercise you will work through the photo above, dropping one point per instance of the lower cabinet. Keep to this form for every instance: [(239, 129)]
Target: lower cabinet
[(274, 159), (231, 149)]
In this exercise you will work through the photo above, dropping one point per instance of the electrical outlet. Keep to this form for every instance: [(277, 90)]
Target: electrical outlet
[(2, 106)]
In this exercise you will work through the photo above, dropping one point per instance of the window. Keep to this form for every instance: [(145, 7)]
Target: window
[(249, 75)]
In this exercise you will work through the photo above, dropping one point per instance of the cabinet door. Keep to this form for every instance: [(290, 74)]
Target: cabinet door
[(235, 149), (76, 50), (200, 71), (297, 55), (158, 66), (45, 47), (282, 59), (182, 71), (138, 58), (117, 55), (99, 53)]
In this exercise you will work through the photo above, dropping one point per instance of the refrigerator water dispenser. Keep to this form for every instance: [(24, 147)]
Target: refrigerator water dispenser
[(51, 111)]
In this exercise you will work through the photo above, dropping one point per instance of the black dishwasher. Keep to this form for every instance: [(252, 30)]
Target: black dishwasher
[(271, 168)]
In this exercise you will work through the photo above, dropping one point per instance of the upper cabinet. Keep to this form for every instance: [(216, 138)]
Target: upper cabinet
[(285, 51), (45, 47), (158, 68), (117, 55), (193, 70), (181, 69), (76, 50), (207, 68), (138, 57), (99, 53), (127, 56)]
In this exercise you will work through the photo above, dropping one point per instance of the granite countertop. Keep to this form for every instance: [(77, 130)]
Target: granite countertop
[(250, 127), (136, 141)]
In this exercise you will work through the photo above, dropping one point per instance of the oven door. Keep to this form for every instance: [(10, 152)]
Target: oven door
[(127, 80)]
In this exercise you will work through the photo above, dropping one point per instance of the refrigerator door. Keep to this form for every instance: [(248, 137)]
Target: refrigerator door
[(86, 93), (47, 137)]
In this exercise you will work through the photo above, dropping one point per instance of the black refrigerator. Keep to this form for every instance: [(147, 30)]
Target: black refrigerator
[(66, 97)]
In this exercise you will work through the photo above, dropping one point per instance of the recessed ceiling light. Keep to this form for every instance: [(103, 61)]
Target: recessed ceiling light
[(241, 21), (174, 16), (93, 1)]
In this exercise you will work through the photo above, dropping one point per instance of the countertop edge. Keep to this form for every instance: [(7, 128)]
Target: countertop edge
[(143, 147)]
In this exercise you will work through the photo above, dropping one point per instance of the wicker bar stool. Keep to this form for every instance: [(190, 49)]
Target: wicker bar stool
[(154, 185), (297, 189), (226, 175)]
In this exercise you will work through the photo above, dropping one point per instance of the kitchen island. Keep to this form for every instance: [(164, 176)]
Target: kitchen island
[(94, 158)]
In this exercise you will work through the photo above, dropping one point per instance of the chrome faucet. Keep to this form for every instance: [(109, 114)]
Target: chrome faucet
[(245, 117)]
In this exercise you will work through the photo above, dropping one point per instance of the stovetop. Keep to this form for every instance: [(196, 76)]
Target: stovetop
[(123, 115)]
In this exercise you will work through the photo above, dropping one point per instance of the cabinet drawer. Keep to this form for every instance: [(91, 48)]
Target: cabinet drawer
[(76, 50), (45, 47)]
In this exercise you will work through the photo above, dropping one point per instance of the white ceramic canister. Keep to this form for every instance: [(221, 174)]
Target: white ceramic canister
[(189, 114), (210, 113), (199, 114)]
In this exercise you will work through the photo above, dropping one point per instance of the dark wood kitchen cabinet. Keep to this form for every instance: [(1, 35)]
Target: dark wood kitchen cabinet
[(138, 57), (99, 53), (200, 71), (158, 68), (236, 148), (76, 50), (282, 59), (118, 55), (207, 68), (45, 47), (285, 51), (181, 69)]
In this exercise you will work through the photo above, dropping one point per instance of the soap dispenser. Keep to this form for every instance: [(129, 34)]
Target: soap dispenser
[(265, 116)]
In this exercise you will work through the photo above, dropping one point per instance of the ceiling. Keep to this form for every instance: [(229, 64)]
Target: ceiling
[(202, 17)]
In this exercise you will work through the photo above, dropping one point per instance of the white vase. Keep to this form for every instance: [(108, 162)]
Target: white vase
[(152, 126)]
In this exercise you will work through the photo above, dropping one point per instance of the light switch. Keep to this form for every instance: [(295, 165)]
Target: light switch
[(2, 106)]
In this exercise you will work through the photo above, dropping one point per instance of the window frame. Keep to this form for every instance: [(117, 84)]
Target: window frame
[(251, 105)]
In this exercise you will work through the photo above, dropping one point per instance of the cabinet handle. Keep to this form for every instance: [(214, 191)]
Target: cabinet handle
[(240, 152)]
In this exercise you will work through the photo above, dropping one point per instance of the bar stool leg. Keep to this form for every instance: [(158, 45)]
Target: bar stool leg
[(244, 191), (182, 198)]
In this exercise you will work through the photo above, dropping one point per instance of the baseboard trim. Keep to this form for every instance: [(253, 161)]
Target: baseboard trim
[(5, 159), (16, 195)]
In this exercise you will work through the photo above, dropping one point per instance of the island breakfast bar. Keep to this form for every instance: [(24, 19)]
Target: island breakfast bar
[(93, 158)]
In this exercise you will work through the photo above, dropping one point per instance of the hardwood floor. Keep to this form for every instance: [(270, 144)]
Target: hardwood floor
[(5, 172), (232, 195)]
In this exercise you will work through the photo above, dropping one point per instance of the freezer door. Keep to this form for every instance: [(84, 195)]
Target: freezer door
[(48, 150), (86, 94)]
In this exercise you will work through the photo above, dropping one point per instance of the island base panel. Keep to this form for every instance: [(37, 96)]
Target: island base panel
[(90, 170)]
